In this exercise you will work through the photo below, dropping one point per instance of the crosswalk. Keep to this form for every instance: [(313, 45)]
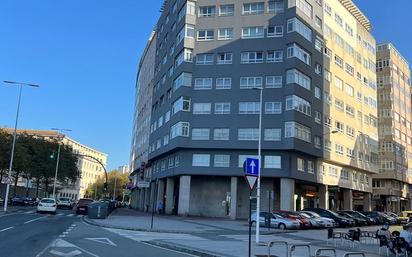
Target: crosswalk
[(57, 214)]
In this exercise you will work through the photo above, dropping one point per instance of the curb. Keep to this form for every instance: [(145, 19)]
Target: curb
[(182, 249), (94, 223)]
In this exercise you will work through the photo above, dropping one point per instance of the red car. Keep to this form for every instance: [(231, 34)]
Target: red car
[(304, 222)]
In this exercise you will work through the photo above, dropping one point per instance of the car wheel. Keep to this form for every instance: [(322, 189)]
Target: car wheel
[(282, 226)]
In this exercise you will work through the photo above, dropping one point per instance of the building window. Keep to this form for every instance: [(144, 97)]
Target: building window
[(318, 142), (318, 117), (273, 107), (276, 6), (297, 77), (311, 167), (333, 171), (221, 160), (272, 134), (273, 162), (179, 129), (299, 104), (204, 59), (305, 7), (318, 93), (253, 8), (300, 164), (223, 83), (338, 83), (253, 32), (295, 25), (181, 104), (339, 126), (204, 35), (339, 104), (339, 149), (250, 82), (227, 10), (273, 82), (338, 61), (251, 57), (207, 11), (225, 34), (248, 134), (275, 31), (203, 83), (294, 50), (222, 108), (200, 134), (184, 79), (221, 134), (318, 44), (201, 108), (201, 160), (249, 107), (224, 58), (274, 56), (318, 22), (338, 20), (186, 55), (297, 130), (349, 90)]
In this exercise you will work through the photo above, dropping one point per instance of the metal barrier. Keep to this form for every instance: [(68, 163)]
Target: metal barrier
[(322, 250), (273, 243), (354, 254), (293, 248)]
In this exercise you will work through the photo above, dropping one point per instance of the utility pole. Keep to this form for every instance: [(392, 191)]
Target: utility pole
[(60, 132), (114, 189), (20, 84)]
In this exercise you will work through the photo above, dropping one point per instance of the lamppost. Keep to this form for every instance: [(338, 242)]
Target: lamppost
[(114, 189), (260, 163), (20, 84), (59, 131)]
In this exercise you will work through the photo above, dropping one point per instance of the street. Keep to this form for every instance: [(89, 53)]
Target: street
[(27, 233)]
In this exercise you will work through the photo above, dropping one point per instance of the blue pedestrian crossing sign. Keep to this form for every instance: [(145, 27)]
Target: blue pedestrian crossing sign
[(251, 167)]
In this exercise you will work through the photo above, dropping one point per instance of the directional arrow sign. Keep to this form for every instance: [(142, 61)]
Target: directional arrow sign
[(251, 180), (252, 167)]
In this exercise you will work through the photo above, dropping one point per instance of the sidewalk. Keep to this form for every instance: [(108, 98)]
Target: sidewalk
[(134, 220), (215, 237)]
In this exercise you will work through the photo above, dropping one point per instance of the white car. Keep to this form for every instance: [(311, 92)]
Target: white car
[(317, 221), (65, 202), (276, 221), (47, 205)]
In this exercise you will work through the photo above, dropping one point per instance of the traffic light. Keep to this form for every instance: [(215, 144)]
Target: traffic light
[(105, 187), (52, 155)]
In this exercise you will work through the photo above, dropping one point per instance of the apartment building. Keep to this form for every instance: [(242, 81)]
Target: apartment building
[(89, 169), (350, 107), (391, 186), (210, 58), (141, 124)]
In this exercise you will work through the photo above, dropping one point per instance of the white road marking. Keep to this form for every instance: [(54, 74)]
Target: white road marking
[(70, 215), (167, 249), (2, 230), (103, 240), (79, 216), (30, 221), (60, 214), (28, 212), (70, 254)]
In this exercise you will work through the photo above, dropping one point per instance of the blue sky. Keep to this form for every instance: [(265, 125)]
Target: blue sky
[(84, 54)]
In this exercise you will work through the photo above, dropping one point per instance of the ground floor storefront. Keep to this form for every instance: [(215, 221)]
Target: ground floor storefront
[(223, 196)]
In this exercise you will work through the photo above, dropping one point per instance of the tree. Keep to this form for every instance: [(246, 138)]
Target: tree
[(114, 177)]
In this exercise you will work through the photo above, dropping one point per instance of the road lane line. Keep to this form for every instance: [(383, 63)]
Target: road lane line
[(30, 221), (2, 230), (70, 215)]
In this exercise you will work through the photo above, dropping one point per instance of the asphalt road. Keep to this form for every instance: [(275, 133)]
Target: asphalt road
[(29, 234)]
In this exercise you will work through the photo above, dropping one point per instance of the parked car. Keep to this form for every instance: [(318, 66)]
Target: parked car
[(395, 216), (64, 202), (83, 205), (404, 216), (342, 221), (304, 222), (1, 201), (17, 200), (30, 201), (375, 215), (47, 205), (276, 221), (388, 219), (359, 221), (317, 221), (356, 214)]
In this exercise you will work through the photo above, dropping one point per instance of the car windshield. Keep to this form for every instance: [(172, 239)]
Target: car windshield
[(283, 215), (64, 199), (47, 201), (305, 215)]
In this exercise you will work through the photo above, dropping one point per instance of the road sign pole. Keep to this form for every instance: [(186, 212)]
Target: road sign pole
[(259, 169), (250, 223)]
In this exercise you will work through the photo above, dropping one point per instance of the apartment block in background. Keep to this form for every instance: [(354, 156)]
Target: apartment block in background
[(391, 187)]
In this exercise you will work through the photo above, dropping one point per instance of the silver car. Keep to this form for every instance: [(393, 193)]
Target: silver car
[(317, 221), (276, 221)]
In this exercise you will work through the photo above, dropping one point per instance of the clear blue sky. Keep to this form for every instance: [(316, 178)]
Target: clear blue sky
[(84, 54)]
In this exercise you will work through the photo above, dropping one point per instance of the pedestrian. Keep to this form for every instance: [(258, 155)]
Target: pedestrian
[(406, 234), (146, 208), (160, 207)]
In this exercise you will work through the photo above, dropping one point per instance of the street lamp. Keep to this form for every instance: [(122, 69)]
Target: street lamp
[(114, 189), (260, 162), (20, 84), (59, 131)]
